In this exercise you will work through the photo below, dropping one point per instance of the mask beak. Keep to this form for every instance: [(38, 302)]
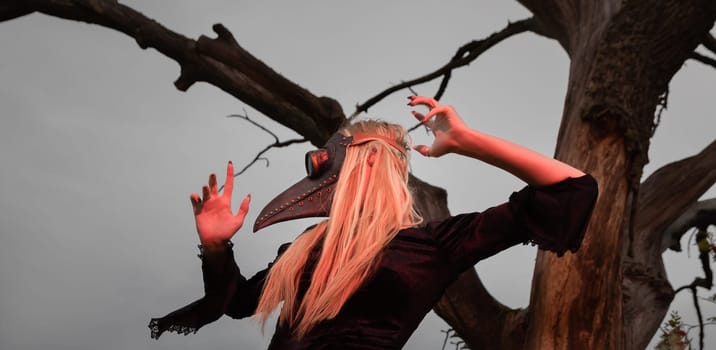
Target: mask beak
[(302, 200), (313, 195)]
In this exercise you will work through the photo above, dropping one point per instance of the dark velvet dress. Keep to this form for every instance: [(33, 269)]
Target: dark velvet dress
[(414, 270)]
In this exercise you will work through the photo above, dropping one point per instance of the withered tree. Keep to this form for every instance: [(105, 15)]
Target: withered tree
[(613, 293)]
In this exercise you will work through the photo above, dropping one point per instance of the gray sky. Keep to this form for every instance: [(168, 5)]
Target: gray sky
[(100, 152)]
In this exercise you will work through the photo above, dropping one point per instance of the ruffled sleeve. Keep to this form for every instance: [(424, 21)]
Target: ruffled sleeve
[(554, 217), (226, 291)]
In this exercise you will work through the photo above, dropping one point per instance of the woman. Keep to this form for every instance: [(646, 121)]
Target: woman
[(365, 277)]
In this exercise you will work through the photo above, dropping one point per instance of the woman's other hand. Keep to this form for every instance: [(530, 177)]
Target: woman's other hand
[(445, 124), (215, 221)]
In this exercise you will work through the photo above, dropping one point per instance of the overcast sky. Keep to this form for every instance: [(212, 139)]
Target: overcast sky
[(100, 152)]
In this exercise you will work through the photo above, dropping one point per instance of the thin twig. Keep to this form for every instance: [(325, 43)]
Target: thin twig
[(703, 59), (412, 128), (447, 336), (246, 117), (464, 56), (413, 91), (706, 282), (699, 316), (689, 327), (259, 156)]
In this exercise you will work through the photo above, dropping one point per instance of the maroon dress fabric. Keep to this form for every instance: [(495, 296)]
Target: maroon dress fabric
[(413, 273)]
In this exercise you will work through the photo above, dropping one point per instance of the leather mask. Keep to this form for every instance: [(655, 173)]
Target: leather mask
[(313, 195)]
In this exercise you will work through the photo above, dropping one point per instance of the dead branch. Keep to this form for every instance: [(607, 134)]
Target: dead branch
[(705, 282), (663, 197), (553, 18), (709, 43), (466, 305), (259, 156), (703, 59), (10, 11), (699, 316), (701, 214), (245, 117), (669, 191), (465, 55), (220, 62)]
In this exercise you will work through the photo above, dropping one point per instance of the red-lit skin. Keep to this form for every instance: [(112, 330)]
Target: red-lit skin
[(216, 223), (453, 136)]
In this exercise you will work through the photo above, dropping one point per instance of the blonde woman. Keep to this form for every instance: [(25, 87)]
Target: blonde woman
[(365, 277)]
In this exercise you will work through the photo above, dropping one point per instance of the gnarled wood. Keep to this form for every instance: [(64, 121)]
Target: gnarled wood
[(669, 192), (464, 56), (623, 55), (622, 60), (480, 320), (247, 78), (699, 215), (663, 197)]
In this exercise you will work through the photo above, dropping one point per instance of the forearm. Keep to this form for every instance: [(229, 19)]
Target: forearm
[(221, 280), (530, 166), (219, 270)]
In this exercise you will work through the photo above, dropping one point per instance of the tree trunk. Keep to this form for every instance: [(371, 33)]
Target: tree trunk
[(612, 294), (622, 57)]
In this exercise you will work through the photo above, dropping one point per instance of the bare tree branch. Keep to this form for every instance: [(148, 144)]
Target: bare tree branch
[(478, 318), (710, 43), (699, 316), (476, 48), (705, 282), (663, 197), (669, 191), (558, 20), (703, 59), (704, 246), (259, 156), (9, 11), (245, 116), (464, 56), (701, 214), (466, 305), (220, 62)]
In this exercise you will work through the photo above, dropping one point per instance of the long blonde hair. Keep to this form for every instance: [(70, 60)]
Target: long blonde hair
[(365, 217)]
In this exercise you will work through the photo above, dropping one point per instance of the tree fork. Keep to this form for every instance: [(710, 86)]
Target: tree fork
[(623, 56), (316, 123)]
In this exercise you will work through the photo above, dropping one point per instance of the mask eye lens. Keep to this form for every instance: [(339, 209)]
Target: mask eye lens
[(315, 162)]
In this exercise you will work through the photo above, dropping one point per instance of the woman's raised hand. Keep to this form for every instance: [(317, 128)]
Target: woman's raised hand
[(215, 221), (445, 124)]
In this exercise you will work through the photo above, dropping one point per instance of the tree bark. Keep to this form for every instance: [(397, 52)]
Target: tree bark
[(663, 197), (622, 57), (221, 62), (701, 214), (613, 293)]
